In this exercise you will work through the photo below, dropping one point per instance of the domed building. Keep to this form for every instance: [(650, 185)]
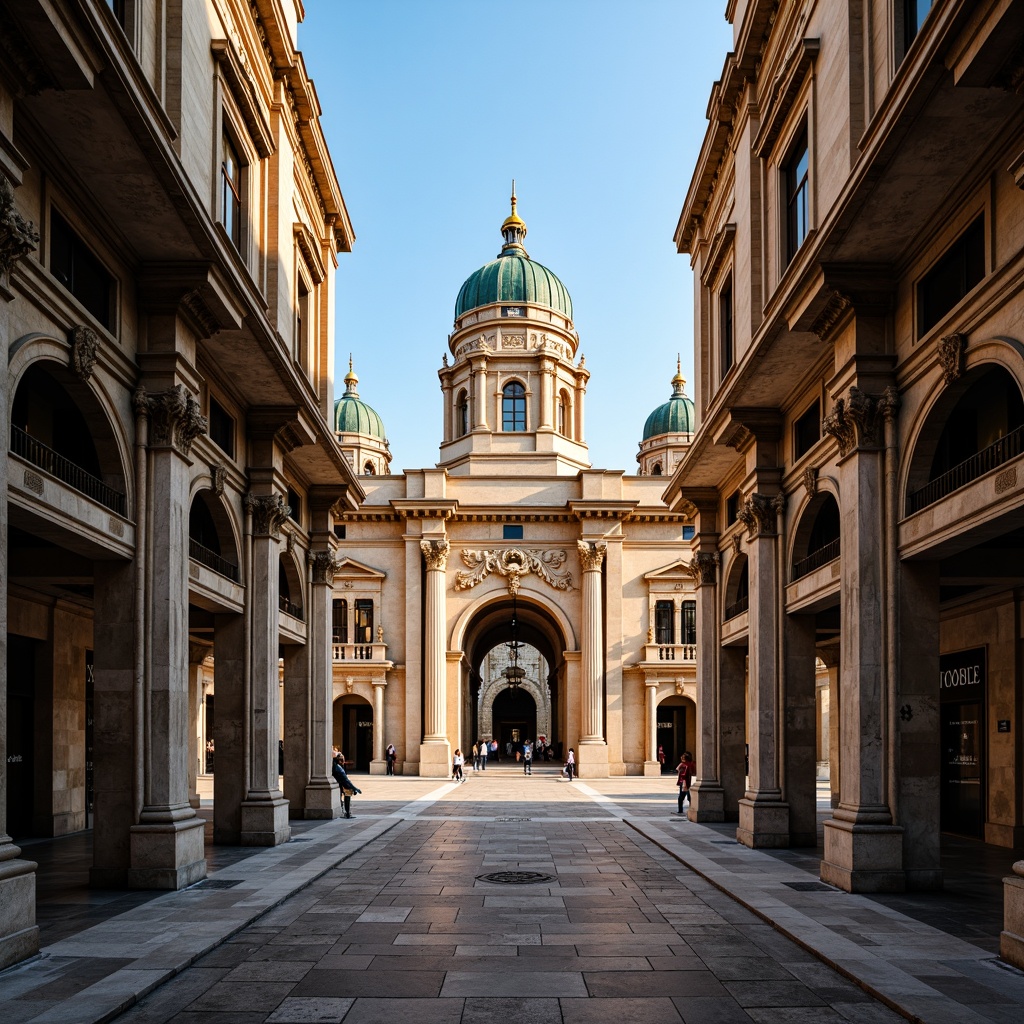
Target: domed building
[(360, 431), (667, 432), (513, 591)]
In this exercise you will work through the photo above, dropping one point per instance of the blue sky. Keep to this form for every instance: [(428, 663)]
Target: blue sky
[(596, 108)]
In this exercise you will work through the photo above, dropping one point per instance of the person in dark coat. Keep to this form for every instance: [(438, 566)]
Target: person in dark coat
[(684, 777), (348, 789)]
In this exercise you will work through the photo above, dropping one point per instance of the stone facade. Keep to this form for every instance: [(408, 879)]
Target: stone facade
[(853, 223), (169, 227)]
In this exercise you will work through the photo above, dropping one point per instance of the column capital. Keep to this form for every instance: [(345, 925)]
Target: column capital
[(591, 554), (759, 514), (856, 420), (175, 420), (18, 237), (268, 512), (435, 554), (703, 568), (322, 565)]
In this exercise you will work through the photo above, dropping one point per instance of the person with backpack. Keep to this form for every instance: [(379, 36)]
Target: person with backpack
[(483, 755), (345, 784), (527, 758), (684, 776)]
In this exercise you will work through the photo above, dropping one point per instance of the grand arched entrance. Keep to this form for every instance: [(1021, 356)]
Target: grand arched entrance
[(511, 708)]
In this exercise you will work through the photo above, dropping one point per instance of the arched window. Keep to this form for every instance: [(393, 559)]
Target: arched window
[(368, 469), (656, 469), (513, 407), (462, 414)]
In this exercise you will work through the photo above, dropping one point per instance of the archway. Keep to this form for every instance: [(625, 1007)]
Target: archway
[(352, 731), (514, 719), (677, 730)]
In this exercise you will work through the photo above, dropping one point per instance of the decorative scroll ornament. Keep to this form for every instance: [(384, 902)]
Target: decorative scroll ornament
[(85, 346), (513, 564), (951, 356), (435, 553), (836, 306), (854, 422), (18, 237), (268, 512), (322, 565), (176, 420), (759, 512), (591, 554), (811, 481), (703, 568), (218, 474)]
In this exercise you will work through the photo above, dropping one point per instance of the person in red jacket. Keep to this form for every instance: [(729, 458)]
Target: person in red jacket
[(684, 777)]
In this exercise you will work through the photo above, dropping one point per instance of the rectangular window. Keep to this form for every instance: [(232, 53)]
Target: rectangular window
[(689, 622), (339, 622), (664, 622), (302, 346), (732, 507), (807, 431), (73, 264), (364, 621), (957, 272), (512, 531), (231, 191), (339, 531), (689, 532), (728, 353), (222, 428), (795, 184), (295, 504)]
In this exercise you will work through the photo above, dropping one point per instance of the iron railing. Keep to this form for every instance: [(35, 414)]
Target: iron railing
[(738, 608), (1006, 448), (294, 610), (198, 553), (46, 459), (816, 559)]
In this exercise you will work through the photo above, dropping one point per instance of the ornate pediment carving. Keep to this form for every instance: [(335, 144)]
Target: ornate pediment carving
[(513, 564)]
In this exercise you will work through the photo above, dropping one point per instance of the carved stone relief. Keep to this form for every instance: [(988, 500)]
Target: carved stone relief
[(951, 356), (591, 554), (18, 237), (759, 513), (268, 512), (514, 563), (85, 346), (175, 419), (435, 553), (322, 565), (703, 568)]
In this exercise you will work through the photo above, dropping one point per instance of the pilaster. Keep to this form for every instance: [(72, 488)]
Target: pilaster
[(435, 750), (592, 755)]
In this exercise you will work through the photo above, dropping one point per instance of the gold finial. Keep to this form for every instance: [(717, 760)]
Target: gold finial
[(513, 230), (351, 380), (678, 383)]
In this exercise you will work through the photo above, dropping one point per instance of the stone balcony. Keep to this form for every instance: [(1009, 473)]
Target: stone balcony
[(359, 652), (685, 654)]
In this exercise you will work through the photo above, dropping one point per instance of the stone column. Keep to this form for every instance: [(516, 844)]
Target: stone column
[(379, 764), (322, 798), (230, 727), (863, 848), (546, 371), (592, 756), (435, 750), (764, 817), (19, 936), (830, 656), (707, 798), (478, 362), (264, 810), (298, 712), (167, 843), (652, 766), (197, 654), (799, 729)]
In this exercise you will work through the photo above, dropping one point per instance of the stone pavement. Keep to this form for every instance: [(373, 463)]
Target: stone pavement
[(393, 914)]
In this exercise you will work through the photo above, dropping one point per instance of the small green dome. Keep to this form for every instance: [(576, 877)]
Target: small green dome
[(676, 416), (352, 416), (513, 277)]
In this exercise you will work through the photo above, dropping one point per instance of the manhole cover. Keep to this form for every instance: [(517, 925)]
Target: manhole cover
[(516, 877), (812, 887), (217, 883), (513, 819)]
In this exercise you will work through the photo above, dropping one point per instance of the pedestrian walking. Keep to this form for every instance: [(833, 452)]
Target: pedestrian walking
[(661, 757), (391, 756), (527, 758), (348, 788), (457, 760), (494, 750), (483, 755), (570, 764), (476, 757), (684, 776)]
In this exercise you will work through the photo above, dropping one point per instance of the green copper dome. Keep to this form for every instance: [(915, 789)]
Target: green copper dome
[(675, 416), (351, 416), (513, 277)]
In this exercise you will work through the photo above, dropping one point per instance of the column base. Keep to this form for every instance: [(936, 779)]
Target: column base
[(322, 801), (592, 760), (19, 935), (863, 858), (435, 759), (763, 825), (378, 767), (707, 803), (167, 854), (652, 769), (265, 822), (1011, 939)]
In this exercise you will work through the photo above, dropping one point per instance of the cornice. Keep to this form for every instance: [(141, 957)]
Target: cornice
[(424, 508), (618, 510)]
